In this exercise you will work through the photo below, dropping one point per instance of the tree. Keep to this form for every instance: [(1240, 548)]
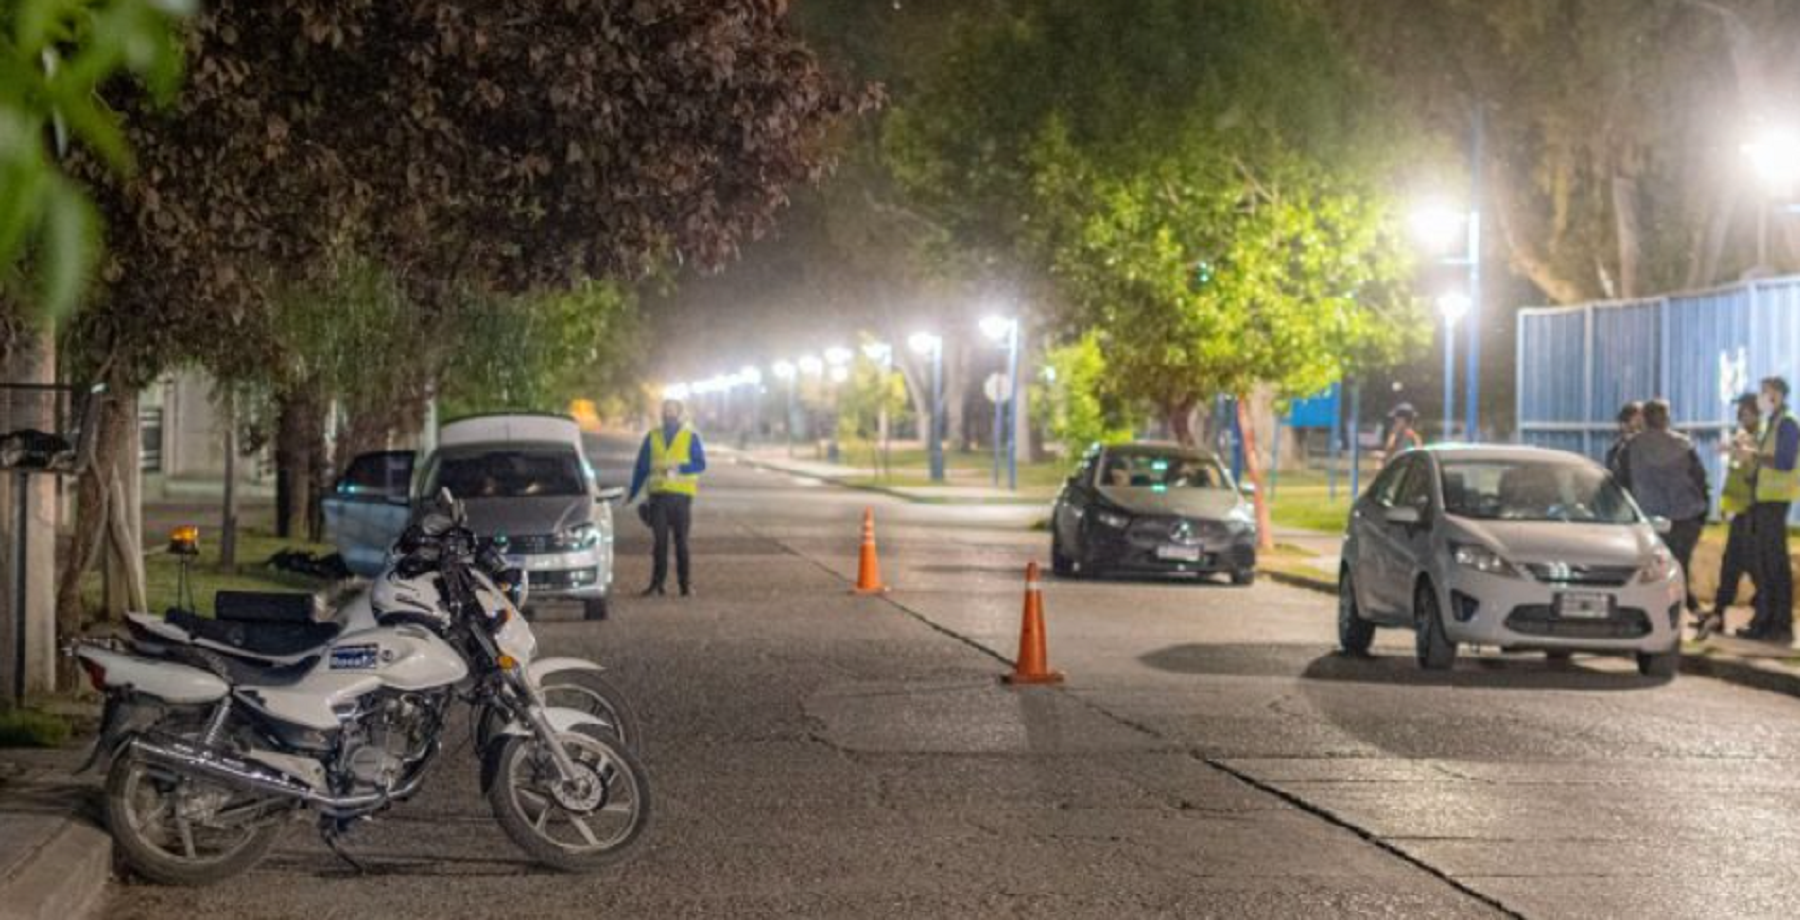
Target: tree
[(1076, 404)]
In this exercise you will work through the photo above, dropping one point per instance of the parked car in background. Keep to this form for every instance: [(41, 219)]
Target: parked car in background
[(1510, 548), (1153, 509), (524, 480)]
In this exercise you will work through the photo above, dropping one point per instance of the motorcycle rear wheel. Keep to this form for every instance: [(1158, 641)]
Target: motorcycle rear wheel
[(168, 827), (568, 829)]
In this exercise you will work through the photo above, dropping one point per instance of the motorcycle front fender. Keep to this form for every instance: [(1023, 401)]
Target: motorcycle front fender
[(545, 667)]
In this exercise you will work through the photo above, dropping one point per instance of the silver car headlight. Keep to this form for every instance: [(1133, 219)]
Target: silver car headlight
[(1661, 567), (1112, 519), (1483, 560), (582, 536)]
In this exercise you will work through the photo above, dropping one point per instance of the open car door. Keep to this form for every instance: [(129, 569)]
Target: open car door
[(368, 508)]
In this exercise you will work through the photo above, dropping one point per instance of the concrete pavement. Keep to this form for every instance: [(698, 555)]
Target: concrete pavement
[(818, 754)]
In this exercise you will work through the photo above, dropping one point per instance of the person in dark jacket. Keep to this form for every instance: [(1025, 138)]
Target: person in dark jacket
[(1663, 472), (1734, 504), (1631, 421)]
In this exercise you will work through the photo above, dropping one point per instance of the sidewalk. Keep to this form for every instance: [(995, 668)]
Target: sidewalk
[(54, 857), (970, 490)]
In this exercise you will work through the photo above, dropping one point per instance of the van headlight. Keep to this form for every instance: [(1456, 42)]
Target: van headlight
[(1660, 568), (1483, 560)]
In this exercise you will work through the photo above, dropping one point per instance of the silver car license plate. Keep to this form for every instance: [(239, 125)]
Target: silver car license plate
[(1583, 605), (1178, 553)]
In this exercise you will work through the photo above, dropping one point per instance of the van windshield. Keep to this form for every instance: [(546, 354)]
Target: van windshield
[(1534, 490), (511, 472)]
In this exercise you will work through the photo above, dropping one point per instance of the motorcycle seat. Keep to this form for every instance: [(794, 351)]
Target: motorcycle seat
[(254, 638)]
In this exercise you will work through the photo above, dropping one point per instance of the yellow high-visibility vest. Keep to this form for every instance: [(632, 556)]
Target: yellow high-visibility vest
[(1773, 485), (667, 454)]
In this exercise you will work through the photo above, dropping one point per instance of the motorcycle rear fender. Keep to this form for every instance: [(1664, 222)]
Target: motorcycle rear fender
[(164, 680)]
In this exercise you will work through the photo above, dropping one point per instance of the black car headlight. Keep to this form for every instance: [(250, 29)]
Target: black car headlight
[(1113, 519)]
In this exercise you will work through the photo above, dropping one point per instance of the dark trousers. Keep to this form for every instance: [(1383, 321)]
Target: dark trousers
[(670, 514), (1773, 569), (1683, 536), (1740, 558)]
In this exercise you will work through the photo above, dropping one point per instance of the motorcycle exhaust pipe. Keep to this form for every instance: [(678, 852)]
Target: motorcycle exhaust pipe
[(230, 771)]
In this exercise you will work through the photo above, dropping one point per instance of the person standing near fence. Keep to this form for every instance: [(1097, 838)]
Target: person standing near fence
[(1734, 504), (1662, 470), (1776, 485), (1631, 421)]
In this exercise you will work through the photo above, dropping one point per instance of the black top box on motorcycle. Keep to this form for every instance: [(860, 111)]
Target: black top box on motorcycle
[(263, 607)]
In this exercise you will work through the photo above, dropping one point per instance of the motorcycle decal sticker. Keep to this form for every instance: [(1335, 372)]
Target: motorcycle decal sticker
[(355, 657)]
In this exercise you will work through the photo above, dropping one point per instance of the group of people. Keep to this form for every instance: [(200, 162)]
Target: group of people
[(1661, 468)]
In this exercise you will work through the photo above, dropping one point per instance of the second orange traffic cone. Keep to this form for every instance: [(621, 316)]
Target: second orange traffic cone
[(868, 566), (1033, 664)]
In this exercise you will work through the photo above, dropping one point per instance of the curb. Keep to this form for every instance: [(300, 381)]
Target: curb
[(59, 868)]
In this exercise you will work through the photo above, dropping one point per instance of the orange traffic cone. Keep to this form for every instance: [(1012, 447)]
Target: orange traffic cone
[(1033, 665), (868, 567)]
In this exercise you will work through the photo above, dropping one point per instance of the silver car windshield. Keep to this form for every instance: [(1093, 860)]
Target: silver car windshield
[(511, 472), (1534, 490)]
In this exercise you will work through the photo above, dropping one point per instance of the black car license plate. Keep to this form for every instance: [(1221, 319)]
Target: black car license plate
[(1172, 553)]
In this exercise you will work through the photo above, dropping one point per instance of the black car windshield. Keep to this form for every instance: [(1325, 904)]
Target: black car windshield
[(1534, 490), (1161, 471), (511, 472)]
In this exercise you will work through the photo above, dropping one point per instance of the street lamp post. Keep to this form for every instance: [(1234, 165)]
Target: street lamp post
[(1436, 225), (1005, 331), (785, 371), (928, 345), (1453, 307)]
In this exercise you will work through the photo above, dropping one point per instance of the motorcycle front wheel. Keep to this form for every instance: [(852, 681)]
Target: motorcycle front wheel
[(586, 825), (175, 829)]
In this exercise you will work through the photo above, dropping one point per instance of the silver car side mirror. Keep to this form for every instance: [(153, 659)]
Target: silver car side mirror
[(609, 494), (1662, 525)]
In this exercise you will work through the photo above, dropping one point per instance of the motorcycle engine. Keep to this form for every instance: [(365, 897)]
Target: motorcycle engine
[(392, 734)]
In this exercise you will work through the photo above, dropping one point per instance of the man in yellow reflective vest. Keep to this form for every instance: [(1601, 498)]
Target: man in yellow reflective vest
[(669, 464), (1734, 504), (1776, 486)]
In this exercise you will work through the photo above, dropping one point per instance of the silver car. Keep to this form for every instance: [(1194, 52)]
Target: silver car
[(524, 481), (1511, 548)]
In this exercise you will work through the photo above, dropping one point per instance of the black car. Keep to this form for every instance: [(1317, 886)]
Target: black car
[(1153, 509)]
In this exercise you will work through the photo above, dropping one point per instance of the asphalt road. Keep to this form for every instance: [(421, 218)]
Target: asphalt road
[(818, 754)]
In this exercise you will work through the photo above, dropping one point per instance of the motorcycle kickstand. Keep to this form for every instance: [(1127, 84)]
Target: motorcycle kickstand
[(333, 831)]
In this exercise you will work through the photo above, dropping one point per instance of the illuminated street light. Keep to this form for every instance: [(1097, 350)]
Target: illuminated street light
[(1774, 154), (924, 344), (785, 370), (838, 356), (1436, 225), (677, 391), (997, 328), (1453, 307), (879, 352), (839, 373), (811, 366), (750, 375)]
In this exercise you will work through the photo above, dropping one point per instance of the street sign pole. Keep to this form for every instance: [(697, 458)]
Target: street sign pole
[(1471, 414)]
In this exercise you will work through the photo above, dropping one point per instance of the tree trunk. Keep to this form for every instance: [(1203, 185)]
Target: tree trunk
[(31, 359), (299, 458), (956, 398), (1630, 235), (1265, 527), (1180, 418)]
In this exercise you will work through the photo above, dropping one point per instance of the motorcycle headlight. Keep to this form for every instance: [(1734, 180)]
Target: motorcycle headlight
[(1660, 568), (1483, 560), (1112, 519)]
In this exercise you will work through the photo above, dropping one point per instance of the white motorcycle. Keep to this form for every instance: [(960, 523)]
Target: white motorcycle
[(214, 744)]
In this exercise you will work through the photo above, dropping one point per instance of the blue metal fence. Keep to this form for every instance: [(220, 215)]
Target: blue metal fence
[(1577, 365)]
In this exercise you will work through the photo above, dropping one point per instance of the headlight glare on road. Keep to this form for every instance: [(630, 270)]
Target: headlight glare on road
[(1483, 560), (1112, 519), (1660, 568)]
